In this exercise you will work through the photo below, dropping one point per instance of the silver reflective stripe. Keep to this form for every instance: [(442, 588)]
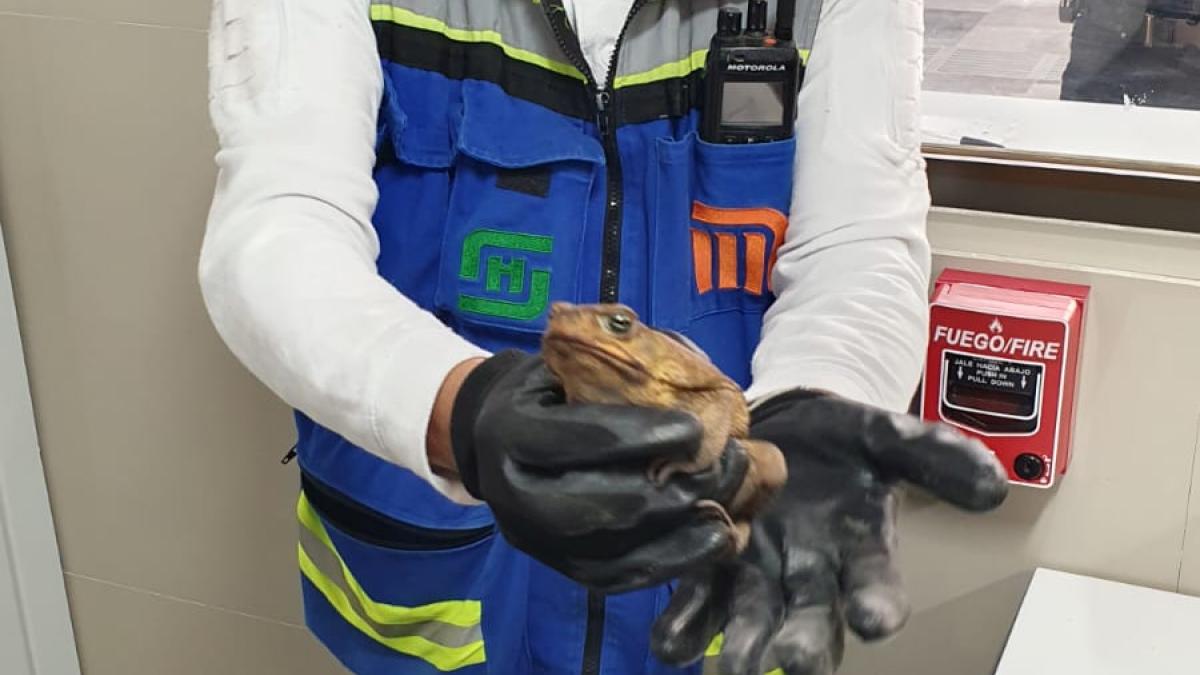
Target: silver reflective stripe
[(520, 23), (664, 33), (808, 13), (447, 635), (669, 31)]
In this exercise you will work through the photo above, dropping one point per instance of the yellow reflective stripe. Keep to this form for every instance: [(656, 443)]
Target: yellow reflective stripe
[(714, 650), (681, 68), (463, 613), (328, 571), (441, 657), (405, 17), (405, 629)]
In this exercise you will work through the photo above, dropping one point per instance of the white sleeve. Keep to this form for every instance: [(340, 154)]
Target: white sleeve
[(852, 275), (288, 263)]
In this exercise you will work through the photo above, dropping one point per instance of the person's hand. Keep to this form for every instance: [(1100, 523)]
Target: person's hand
[(821, 556), (570, 484)]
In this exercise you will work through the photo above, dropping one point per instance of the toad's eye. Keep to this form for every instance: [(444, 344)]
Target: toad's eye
[(619, 324)]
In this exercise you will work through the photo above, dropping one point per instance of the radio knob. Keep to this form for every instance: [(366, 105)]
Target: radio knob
[(1029, 467), (729, 22)]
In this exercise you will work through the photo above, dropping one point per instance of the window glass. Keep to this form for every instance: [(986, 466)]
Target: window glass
[(1101, 79)]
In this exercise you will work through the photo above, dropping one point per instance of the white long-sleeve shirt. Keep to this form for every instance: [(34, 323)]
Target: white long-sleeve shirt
[(288, 264)]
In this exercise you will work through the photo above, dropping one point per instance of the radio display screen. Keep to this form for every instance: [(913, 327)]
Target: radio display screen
[(752, 103)]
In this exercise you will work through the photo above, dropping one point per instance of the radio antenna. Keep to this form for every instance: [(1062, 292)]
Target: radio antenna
[(785, 16)]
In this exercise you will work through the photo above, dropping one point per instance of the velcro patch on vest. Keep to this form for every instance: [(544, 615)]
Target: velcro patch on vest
[(533, 181)]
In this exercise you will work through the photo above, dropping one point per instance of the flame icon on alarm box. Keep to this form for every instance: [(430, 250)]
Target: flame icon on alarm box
[(996, 326)]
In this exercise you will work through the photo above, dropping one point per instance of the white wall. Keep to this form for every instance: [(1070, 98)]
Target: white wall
[(35, 628)]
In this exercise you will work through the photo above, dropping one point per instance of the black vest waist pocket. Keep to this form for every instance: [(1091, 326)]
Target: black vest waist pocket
[(372, 527)]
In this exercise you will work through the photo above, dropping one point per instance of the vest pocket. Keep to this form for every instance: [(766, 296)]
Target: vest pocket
[(519, 207), (719, 216), (368, 525)]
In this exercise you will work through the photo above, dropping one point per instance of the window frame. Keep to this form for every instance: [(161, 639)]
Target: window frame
[(1119, 192)]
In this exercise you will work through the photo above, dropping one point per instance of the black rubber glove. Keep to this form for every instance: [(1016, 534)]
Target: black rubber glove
[(570, 484), (821, 555)]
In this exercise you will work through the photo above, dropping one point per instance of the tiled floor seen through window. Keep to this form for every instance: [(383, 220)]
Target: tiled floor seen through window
[(1001, 47)]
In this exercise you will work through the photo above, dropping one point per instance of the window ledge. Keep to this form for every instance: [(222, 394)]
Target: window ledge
[(1096, 137)]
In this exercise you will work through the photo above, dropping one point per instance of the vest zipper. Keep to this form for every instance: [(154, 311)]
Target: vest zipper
[(602, 96), (594, 638), (610, 260)]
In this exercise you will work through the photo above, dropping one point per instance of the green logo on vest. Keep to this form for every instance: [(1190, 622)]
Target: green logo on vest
[(504, 273)]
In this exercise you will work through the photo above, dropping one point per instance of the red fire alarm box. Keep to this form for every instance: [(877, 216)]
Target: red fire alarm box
[(1002, 364)]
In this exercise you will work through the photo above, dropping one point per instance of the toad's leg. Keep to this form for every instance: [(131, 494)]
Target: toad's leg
[(765, 476), (717, 512), (741, 535), (739, 532), (717, 428)]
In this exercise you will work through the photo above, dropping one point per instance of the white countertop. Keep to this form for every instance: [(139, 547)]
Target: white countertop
[(1076, 625)]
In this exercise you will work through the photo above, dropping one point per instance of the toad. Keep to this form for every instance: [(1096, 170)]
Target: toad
[(604, 354)]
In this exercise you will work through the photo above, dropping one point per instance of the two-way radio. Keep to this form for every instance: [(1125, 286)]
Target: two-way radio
[(753, 77)]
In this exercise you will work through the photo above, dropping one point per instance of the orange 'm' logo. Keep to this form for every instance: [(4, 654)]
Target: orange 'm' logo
[(741, 223)]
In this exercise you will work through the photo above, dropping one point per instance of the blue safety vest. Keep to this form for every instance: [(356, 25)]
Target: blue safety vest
[(509, 178)]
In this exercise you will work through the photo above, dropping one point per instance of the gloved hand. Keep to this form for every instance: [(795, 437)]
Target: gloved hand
[(569, 484), (821, 555)]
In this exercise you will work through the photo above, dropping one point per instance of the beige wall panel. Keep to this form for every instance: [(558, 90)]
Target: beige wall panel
[(962, 636), (1120, 511), (161, 451), (191, 14), (1189, 567), (1063, 244), (124, 632)]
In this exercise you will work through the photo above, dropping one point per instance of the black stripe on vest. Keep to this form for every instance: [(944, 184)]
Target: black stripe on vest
[(425, 50)]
